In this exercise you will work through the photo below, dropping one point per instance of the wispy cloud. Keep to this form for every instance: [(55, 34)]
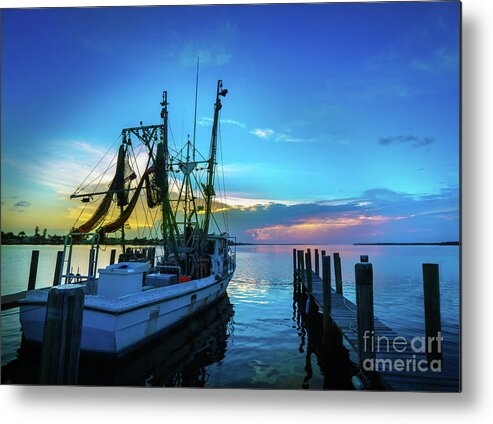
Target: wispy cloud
[(272, 135), (207, 52), (412, 140), (441, 60), (65, 169), (21, 206), (376, 215), (263, 133), (207, 122), (291, 139)]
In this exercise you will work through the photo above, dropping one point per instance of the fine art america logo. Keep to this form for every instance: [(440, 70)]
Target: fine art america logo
[(411, 358)]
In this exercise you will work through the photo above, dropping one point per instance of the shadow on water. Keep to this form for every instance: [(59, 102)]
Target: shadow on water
[(182, 356), (178, 358), (326, 350)]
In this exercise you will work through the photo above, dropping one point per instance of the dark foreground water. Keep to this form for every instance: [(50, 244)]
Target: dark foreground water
[(255, 337)]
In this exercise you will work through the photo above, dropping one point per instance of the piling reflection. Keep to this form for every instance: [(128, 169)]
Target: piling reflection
[(178, 358), (327, 349)]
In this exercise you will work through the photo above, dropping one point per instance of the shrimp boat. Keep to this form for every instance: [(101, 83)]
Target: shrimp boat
[(179, 272)]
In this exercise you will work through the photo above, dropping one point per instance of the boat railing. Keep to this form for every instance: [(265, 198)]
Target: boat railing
[(67, 257)]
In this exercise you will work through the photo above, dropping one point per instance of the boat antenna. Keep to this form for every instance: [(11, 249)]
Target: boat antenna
[(195, 115)]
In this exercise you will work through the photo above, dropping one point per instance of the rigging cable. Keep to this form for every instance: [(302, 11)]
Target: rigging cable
[(100, 160), (100, 179)]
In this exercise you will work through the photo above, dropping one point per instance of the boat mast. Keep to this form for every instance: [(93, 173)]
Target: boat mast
[(209, 188), (162, 164), (195, 114)]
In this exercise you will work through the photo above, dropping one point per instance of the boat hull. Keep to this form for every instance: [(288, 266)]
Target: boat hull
[(117, 326)]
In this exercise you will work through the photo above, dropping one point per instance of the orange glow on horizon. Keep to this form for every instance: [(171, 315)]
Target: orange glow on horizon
[(314, 226)]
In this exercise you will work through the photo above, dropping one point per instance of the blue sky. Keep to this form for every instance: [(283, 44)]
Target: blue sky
[(341, 123)]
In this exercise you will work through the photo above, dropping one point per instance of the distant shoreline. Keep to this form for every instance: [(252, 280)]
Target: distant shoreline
[(151, 243), (442, 243)]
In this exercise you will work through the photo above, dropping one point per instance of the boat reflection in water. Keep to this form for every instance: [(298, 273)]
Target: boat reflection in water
[(178, 358)]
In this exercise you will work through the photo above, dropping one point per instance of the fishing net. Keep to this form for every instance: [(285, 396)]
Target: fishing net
[(119, 187)]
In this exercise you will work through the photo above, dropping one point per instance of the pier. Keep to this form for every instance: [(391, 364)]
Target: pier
[(386, 360)]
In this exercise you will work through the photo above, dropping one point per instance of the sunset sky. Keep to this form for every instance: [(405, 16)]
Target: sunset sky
[(341, 124)]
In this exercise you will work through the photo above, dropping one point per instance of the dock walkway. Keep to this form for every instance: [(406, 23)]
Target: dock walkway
[(344, 317)]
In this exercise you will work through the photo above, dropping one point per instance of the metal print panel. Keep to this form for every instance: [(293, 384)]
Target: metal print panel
[(234, 196)]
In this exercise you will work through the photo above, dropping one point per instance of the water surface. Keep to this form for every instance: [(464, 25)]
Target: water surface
[(254, 338)]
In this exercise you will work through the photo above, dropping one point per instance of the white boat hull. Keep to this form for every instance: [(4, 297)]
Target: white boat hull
[(116, 326)]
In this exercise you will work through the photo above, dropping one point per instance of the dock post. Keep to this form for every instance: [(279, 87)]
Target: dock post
[(338, 273), (151, 254), (324, 252), (365, 315), (33, 271), (309, 282), (112, 256), (152, 258), (326, 291), (90, 271), (294, 267), (433, 325), (58, 268), (301, 269), (62, 335), (363, 258), (317, 263), (309, 276)]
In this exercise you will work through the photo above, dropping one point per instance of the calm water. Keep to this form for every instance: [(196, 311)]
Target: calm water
[(255, 338)]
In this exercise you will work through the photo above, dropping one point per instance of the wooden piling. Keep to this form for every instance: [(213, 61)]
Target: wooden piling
[(112, 256), (90, 271), (301, 269), (317, 263), (58, 268), (152, 255), (324, 252), (338, 273), (344, 314), (326, 298), (365, 315), (294, 266), (433, 325), (33, 271), (363, 258), (309, 276), (62, 335)]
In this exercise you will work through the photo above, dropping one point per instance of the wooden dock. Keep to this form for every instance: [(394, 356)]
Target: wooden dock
[(399, 367)]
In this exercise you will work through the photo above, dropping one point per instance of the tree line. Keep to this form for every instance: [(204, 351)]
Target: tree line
[(42, 237)]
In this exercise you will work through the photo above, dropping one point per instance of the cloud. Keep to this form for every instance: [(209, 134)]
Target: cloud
[(73, 164), (378, 214), (441, 60), (290, 139), (207, 53), (266, 134), (262, 133), (413, 140), (21, 206), (270, 134), (207, 122), (420, 65)]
